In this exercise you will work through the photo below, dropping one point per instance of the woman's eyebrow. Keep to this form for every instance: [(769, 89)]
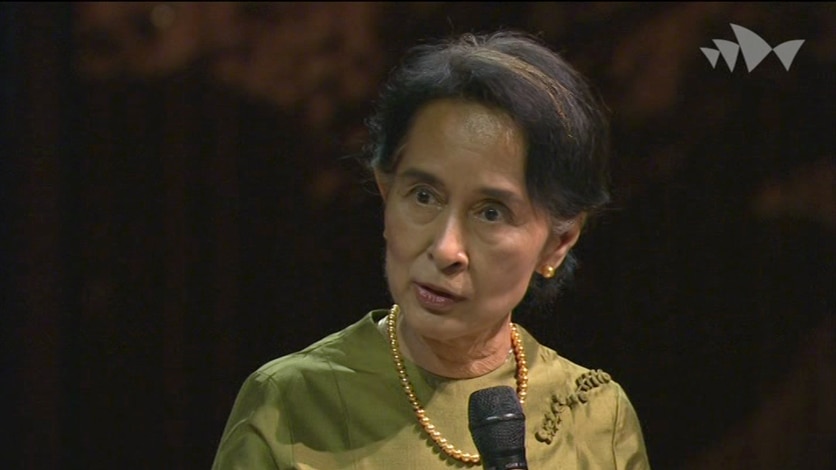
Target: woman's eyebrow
[(414, 174), (503, 195)]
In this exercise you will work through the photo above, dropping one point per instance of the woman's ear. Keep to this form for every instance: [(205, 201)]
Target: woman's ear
[(562, 239), (383, 183)]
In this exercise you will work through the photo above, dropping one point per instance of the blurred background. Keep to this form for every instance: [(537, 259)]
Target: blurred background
[(181, 203)]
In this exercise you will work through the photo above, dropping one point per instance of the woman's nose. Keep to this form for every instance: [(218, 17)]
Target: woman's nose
[(448, 250)]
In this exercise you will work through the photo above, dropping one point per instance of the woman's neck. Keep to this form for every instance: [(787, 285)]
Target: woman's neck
[(458, 359)]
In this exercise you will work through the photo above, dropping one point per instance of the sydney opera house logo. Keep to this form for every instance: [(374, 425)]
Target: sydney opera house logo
[(753, 48)]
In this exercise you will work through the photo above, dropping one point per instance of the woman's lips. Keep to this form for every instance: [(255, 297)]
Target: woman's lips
[(433, 298)]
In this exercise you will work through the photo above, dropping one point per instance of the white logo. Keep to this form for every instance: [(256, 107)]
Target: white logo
[(753, 47)]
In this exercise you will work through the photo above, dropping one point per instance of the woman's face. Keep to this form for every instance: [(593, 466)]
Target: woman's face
[(463, 238)]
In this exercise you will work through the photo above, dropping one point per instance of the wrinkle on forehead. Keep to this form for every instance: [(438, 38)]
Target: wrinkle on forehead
[(472, 123), (483, 123)]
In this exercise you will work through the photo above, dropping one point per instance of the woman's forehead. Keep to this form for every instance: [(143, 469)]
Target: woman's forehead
[(467, 145), (466, 118), (448, 126)]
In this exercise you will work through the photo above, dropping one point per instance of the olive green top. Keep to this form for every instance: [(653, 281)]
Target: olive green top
[(338, 404)]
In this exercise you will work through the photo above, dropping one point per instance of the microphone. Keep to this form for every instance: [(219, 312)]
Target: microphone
[(497, 424)]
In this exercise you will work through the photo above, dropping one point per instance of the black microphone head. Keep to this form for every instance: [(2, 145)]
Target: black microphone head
[(497, 424)]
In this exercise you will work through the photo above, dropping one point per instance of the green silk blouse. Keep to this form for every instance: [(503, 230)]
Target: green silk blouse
[(337, 404)]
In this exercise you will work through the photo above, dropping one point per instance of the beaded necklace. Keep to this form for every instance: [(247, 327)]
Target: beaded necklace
[(420, 413)]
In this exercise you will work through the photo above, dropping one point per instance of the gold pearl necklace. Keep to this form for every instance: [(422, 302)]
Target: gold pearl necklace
[(420, 413)]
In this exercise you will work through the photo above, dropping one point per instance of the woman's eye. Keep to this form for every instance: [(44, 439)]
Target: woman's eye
[(423, 196), (493, 214)]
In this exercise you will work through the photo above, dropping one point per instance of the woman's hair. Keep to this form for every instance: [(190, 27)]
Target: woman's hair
[(566, 132)]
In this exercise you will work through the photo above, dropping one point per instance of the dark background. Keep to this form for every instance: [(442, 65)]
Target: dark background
[(180, 205)]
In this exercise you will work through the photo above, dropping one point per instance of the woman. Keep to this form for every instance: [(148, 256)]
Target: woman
[(489, 153)]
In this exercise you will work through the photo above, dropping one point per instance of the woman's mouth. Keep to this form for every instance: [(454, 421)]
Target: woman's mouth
[(434, 299)]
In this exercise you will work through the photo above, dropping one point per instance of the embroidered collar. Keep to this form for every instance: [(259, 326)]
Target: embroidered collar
[(584, 384)]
